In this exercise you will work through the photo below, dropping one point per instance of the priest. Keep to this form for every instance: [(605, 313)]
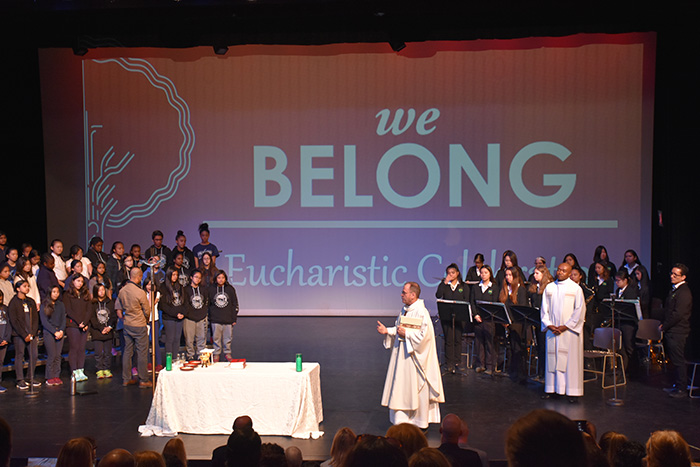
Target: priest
[(563, 314), (413, 387)]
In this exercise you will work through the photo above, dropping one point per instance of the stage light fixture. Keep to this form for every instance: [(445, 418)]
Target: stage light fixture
[(220, 49), (397, 46)]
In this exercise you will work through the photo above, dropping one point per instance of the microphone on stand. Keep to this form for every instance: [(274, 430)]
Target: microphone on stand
[(615, 402)]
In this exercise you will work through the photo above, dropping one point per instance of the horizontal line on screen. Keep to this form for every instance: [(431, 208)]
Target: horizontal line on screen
[(417, 224)]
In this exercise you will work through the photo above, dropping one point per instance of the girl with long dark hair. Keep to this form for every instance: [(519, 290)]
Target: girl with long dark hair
[(173, 306), (78, 309), (24, 317), (103, 320), (24, 273), (600, 254), (451, 288), (154, 327), (223, 314), (513, 292), (208, 269), (484, 329), (53, 320), (195, 325)]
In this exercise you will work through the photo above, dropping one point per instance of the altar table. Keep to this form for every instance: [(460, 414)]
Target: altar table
[(280, 400)]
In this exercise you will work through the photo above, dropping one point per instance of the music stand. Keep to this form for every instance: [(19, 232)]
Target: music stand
[(614, 402), (526, 313), (497, 313), (454, 310), (530, 316), (627, 310)]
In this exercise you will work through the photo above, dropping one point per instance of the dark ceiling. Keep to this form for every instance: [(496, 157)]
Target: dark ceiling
[(186, 23)]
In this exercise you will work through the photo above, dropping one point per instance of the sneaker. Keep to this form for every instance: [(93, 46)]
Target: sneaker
[(159, 368), (100, 374), (215, 359), (2, 389), (488, 372), (22, 384), (678, 394), (107, 374), (80, 375), (36, 384), (145, 384), (52, 382), (480, 369), (134, 371), (228, 358)]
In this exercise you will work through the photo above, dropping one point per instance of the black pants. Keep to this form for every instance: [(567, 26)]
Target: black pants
[(453, 342), (517, 370), (20, 347), (629, 330), (484, 334), (674, 345)]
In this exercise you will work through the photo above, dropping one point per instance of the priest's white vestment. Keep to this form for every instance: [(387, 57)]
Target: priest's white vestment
[(413, 387), (563, 304)]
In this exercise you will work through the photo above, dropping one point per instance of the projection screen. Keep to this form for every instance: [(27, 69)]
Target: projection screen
[(330, 175)]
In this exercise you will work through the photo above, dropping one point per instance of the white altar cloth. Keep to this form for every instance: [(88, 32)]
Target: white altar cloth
[(280, 400)]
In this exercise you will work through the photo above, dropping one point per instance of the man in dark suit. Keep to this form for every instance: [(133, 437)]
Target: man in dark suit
[(450, 431), (676, 327)]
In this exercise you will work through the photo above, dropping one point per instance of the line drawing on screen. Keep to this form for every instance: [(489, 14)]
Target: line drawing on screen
[(100, 204)]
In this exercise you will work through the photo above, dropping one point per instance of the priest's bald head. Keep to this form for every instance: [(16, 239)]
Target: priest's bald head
[(410, 293), (563, 271)]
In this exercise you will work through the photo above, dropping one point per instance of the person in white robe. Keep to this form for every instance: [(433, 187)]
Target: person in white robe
[(413, 386), (563, 314)]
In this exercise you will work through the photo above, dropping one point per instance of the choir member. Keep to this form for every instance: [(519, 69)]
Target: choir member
[(601, 254), (484, 328), (452, 288)]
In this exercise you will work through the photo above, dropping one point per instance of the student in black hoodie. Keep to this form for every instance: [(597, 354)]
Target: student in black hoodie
[(197, 306), (24, 317), (223, 313), (103, 320), (183, 275), (5, 334), (172, 304), (188, 262), (78, 308), (159, 250)]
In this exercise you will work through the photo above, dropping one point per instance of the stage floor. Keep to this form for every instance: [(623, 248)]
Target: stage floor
[(353, 364)]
